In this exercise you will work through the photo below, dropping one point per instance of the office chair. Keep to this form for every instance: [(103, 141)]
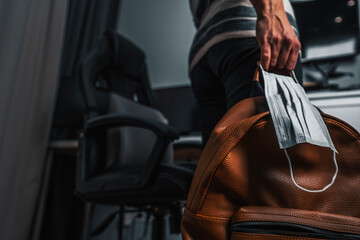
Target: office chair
[(125, 147)]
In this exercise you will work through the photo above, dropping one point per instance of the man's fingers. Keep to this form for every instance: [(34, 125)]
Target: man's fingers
[(279, 52), (275, 50), (283, 58), (265, 55), (293, 57), (283, 55), (290, 65)]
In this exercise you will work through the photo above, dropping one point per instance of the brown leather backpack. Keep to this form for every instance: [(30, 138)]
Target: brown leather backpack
[(242, 187)]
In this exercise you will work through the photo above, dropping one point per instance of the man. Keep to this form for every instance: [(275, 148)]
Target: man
[(232, 36)]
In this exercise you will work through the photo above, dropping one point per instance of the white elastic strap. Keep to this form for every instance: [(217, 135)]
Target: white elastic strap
[(308, 190), (294, 77)]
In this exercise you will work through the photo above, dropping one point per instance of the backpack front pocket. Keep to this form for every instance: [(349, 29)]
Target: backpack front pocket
[(258, 223)]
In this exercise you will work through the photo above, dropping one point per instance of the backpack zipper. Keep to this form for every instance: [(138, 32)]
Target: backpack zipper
[(290, 229)]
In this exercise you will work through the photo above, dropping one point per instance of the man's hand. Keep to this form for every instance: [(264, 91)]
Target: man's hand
[(278, 42)]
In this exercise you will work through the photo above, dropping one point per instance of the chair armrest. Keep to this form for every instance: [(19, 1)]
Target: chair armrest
[(105, 122), (165, 135), (187, 149), (186, 142), (64, 146)]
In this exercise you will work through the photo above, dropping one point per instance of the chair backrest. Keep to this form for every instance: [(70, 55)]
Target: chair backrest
[(113, 79), (114, 65)]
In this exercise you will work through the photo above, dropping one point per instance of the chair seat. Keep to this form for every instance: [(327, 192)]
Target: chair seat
[(172, 183)]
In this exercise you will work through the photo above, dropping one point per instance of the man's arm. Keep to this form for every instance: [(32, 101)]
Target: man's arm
[(278, 42)]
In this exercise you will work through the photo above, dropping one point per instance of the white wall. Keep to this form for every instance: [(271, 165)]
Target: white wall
[(164, 30)]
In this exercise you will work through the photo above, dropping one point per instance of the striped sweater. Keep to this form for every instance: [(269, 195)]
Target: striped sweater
[(218, 20)]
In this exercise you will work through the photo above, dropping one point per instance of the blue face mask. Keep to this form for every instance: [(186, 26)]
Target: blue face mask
[(295, 119)]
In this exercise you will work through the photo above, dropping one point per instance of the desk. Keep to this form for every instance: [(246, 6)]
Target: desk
[(64, 146)]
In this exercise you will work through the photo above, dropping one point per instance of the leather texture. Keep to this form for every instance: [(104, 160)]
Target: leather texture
[(242, 165)]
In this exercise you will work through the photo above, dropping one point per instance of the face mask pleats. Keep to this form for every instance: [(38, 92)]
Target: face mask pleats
[(295, 119)]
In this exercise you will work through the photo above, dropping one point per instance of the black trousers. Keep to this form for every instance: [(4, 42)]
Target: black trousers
[(223, 77)]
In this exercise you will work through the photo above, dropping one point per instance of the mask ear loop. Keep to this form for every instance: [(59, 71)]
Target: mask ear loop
[(261, 68), (308, 190), (294, 77)]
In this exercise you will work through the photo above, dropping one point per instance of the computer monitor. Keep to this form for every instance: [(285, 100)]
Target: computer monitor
[(328, 28)]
